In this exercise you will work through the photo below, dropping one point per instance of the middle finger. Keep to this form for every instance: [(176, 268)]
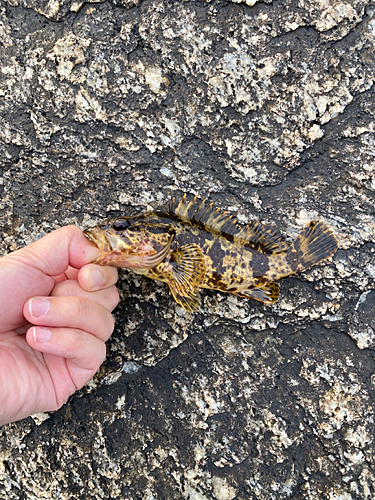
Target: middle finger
[(70, 312)]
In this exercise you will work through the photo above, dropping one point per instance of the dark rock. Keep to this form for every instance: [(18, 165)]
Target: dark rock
[(266, 109)]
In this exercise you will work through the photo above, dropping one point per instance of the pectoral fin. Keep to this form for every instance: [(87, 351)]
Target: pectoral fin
[(268, 293), (188, 275), (189, 269), (191, 301)]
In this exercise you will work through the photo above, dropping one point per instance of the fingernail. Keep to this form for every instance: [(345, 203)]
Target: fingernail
[(95, 278), (41, 334), (39, 307)]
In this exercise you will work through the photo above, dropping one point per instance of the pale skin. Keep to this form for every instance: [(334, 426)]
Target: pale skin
[(55, 317)]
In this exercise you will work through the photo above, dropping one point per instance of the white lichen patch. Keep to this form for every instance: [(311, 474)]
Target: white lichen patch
[(250, 3), (222, 490), (333, 13), (121, 402), (67, 53), (341, 404), (358, 436), (51, 10), (316, 132), (235, 77), (174, 136), (39, 418), (5, 31), (111, 378), (277, 428), (155, 79), (88, 107), (363, 335)]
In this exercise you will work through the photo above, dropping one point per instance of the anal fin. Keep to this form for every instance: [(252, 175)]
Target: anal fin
[(268, 293)]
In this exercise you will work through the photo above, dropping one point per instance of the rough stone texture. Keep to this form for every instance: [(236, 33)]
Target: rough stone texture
[(267, 109)]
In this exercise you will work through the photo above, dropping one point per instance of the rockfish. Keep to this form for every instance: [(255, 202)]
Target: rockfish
[(190, 246)]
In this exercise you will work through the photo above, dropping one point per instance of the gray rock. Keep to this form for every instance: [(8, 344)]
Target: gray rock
[(266, 109)]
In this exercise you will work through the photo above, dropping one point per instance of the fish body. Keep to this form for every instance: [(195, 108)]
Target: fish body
[(190, 246)]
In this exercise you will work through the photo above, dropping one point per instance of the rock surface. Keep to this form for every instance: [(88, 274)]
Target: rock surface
[(266, 109)]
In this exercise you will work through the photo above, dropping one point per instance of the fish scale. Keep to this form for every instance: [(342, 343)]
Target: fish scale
[(190, 246)]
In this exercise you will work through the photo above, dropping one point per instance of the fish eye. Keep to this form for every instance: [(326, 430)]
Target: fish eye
[(121, 224)]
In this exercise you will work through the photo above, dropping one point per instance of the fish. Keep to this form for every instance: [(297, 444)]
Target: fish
[(190, 245)]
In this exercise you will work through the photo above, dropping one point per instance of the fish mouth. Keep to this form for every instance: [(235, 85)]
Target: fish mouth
[(97, 236), (114, 251)]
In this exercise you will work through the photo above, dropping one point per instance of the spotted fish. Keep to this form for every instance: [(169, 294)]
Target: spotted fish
[(190, 246)]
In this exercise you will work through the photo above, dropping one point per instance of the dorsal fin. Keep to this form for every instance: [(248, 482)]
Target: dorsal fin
[(261, 237), (213, 219), (264, 236)]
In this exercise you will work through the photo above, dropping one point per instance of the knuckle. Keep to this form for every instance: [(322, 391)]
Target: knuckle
[(57, 404), (76, 341), (71, 230), (79, 306), (64, 288)]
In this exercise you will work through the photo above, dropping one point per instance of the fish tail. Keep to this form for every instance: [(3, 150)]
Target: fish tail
[(315, 243)]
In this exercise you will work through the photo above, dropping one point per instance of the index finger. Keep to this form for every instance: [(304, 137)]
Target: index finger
[(108, 297), (93, 277)]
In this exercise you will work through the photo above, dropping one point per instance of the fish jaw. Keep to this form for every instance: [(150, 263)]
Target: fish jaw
[(115, 252), (97, 236), (117, 259)]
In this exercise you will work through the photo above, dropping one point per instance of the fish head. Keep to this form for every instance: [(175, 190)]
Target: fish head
[(128, 242)]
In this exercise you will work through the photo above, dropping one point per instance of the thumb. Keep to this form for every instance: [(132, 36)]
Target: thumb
[(54, 253), (27, 272)]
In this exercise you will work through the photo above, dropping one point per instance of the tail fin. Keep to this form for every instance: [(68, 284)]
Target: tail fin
[(315, 243)]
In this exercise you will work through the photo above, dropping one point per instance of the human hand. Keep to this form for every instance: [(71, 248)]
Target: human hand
[(55, 316)]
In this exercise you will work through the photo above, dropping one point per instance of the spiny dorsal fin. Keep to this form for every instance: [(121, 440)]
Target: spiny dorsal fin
[(261, 237), (214, 220), (264, 236)]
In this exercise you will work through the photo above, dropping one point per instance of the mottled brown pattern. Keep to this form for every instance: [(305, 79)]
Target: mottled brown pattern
[(204, 255)]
